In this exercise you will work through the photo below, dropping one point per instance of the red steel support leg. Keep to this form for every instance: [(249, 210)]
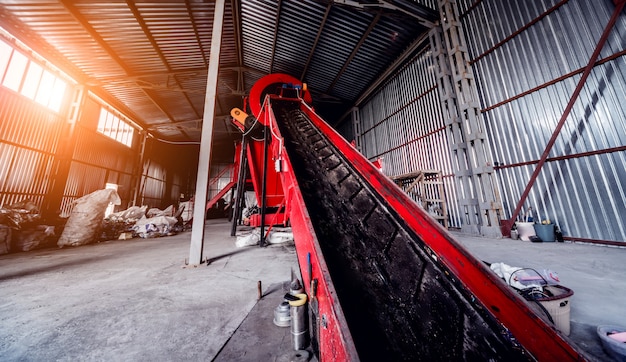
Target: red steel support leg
[(506, 225)]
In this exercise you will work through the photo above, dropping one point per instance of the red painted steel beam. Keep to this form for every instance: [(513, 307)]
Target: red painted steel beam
[(553, 81), (565, 157), (520, 30), (507, 224)]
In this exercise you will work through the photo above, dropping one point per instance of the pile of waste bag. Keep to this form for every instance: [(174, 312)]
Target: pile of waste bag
[(21, 228)]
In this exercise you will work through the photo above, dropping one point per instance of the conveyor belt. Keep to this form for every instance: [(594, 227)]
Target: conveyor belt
[(398, 302)]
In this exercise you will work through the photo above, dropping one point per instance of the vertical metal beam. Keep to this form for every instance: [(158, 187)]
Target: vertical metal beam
[(241, 185), (137, 175), (202, 181), (356, 124), (63, 157), (619, 6), (470, 149), (266, 144)]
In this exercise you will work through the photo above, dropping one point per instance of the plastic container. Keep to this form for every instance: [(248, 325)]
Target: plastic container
[(525, 230), (614, 348), (558, 306), (545, 232)]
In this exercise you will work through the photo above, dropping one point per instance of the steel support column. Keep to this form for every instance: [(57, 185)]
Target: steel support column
[(202, 181), (469, 145), (138, 169), (63, 158), (356, 124)]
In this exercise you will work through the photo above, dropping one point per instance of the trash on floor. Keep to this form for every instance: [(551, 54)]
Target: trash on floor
[(21, 228), (155, 226), (86, 217), (275, 236), (120, 223)]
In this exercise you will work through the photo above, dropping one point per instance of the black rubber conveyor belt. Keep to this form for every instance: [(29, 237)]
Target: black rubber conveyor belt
[(399, 304)]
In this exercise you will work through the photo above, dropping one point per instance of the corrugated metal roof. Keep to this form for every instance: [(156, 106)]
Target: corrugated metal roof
[(149, 59)]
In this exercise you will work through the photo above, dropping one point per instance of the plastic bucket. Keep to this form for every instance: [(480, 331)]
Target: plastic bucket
[(525, 230), (545, 232), (558, 306)]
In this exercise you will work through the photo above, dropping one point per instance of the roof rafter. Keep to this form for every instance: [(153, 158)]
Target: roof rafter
[(276, 24), (157, 49), (356, 49), (101, 42), (317, 39)]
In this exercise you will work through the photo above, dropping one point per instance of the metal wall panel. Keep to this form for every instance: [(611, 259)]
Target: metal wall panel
[(526, 73), (153, 184), (509, 62), (96, 161), (403, 124), (28, 138)]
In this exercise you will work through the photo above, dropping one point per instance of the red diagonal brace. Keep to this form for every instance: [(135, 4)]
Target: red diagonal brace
[(507, 224)]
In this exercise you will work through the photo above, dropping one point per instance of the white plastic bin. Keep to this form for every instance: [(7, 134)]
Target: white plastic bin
[(558, 305)]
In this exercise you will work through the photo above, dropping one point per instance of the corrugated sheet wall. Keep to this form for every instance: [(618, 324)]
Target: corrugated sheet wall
[(29, 135), (403, 124), (527, 75), (527, 58), (153, 184), (96, 161)]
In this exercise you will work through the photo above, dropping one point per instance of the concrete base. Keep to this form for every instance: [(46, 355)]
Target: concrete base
[(470, 230)]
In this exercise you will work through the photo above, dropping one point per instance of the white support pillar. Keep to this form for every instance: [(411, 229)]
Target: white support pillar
[(202, 181)]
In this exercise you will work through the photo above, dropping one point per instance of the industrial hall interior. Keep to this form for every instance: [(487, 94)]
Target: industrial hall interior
[(312, 180)]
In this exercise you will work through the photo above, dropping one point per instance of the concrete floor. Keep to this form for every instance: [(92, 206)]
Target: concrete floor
[(596, 274), (133, 300), (136, 300)]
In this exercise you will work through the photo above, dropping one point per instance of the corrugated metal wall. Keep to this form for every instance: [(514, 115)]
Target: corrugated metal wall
[(527, 74), (527, 58), (96, 161), (153, 184), (403, 124), (29, 136)]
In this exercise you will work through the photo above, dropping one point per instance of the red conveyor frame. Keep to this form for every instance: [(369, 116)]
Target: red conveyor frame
[(542, 341)]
